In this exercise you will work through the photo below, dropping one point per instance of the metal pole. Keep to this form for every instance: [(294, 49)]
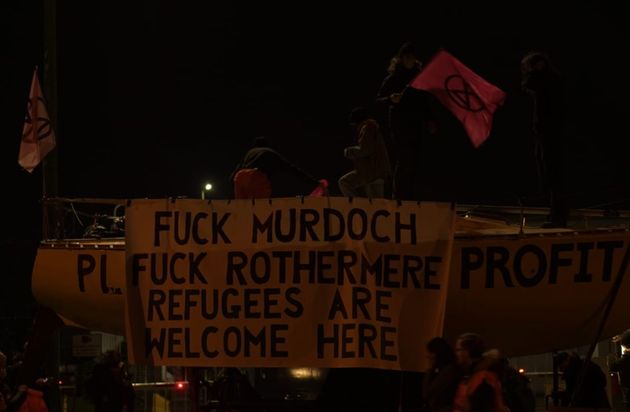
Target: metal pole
[(50, 92), (50, 184), (49, 170), (555, 393)]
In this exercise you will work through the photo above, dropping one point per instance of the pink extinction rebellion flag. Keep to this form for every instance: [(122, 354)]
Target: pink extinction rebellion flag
[(468, 96)]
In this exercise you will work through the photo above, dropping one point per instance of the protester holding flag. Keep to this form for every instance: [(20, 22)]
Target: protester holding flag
[(403, 67), (543, 83), (407, 119)]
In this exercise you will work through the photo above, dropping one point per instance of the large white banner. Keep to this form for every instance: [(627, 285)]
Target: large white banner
[(322, 282)]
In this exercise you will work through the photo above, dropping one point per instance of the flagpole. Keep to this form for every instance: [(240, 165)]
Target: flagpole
[(50, 172), (50, 184)]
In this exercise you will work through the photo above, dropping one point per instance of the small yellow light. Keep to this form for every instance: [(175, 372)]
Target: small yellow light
[(305, 373)]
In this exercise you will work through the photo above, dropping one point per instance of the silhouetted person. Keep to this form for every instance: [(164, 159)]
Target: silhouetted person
[(480, 388), (13, 369), (5, 392), (592, 391), (254, 175), (517, 391), (232, 386), (400, 138), (20, 397), (543, 83), (403, 68), (441, 379), (622, 367), (371, 163), (109, 387)]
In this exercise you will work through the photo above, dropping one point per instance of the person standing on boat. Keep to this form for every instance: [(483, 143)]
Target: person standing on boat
[(400, 139), (371, 163), (544, 84), (254, 175)]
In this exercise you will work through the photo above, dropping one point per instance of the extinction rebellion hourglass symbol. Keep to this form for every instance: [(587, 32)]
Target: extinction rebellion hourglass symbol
[(462, 94)]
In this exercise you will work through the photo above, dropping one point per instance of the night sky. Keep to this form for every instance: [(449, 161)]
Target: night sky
[(156, 97)]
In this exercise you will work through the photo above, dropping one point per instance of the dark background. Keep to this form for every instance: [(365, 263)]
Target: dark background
[(156, 97)]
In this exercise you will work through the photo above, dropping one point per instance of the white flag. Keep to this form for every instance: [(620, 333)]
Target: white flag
[(38, 137)]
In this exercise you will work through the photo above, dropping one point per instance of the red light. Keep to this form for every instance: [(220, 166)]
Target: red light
[(60, 382), (180, 385)]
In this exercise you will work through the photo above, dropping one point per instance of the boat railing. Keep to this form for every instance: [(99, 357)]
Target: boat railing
[(104, 218)]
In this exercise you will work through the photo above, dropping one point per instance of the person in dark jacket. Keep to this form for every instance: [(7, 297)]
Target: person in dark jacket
[(544, 84), (395, 118), (407, 118), (591, 393), (5, 392), (109, 386), (517, 390), (621, 366), (254, 175), (371, 163), (403, 68), (440, 381)]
